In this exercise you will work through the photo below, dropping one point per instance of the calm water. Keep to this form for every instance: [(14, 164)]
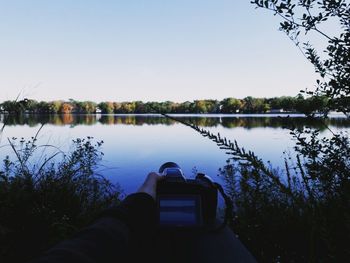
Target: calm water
[(137, 144)]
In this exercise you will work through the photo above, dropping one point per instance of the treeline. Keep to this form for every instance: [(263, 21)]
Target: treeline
[(227, 105)]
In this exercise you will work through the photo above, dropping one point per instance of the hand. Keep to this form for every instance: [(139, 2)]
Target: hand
[(150, 184)]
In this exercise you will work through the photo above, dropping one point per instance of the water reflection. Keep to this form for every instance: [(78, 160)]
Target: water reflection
[(248, 122)]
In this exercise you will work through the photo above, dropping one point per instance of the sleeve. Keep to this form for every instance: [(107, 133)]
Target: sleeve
[(107, 240)]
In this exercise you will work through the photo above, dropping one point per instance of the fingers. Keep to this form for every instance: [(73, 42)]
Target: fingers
[(150, 184), (155, 175), (152, 179)]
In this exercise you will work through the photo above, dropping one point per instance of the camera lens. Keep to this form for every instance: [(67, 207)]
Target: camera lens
[(168, 165)]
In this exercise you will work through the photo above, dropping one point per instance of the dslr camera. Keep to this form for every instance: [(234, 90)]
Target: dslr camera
[(185, 203)]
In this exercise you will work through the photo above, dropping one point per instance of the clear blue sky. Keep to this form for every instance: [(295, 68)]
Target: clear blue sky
[(145, 50)]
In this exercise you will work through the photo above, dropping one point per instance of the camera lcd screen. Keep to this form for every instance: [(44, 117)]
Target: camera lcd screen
[(179, 211), (171, 172)]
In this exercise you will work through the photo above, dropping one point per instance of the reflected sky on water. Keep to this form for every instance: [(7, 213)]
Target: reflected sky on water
[(137, 144)]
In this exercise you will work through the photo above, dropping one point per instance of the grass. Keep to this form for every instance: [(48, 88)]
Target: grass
[(297, 214), (44, 203)]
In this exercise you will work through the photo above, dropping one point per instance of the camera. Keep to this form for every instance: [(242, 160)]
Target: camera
[(185, 203)]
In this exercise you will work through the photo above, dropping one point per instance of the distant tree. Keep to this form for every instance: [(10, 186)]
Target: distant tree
[(154, 107), (320, 104), (167, 107), (55, 106), (227, 105), (213, 106), (140, 107), (285, 102), (77, 106), (127, 107), (253, 105), (266, 107), (185, 107), (18, 107), (88, 107), (117, 107), (200, 106), (30, 105), (275, 103), (247, 104), (66, 108), (230, 105), (259, 105), (303, 106), (11, 107), (174, 107), (312, 105), (43, 107), (106, 107)]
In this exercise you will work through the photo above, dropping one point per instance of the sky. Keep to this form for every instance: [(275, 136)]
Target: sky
[(149, 50)]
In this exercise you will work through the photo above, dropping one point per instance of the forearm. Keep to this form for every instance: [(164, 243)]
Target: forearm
[(104, 241), (107, 240)]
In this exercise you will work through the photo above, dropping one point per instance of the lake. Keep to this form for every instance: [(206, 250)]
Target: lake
[(137, 144)]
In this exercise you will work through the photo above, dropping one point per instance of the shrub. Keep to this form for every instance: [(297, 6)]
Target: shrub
[(297, 214), (300, 213), (44, 203)]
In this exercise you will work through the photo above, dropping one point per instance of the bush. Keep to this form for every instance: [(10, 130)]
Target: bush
[(301, 213), (44, 203), (298, 214)]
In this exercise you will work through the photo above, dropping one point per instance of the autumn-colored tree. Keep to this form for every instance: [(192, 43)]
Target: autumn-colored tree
[(117, 107), (128, 107), (66, 108)]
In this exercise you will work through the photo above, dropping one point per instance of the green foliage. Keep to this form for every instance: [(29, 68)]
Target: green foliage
[(299, 17), (253, 105), (106, 107), (44, 203), (86, 107), (230, 105), (312, 105), (15, 107), (54, 106), (227, 105), (285, 102)]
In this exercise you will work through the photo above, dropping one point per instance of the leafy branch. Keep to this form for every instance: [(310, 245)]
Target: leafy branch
[(334, 69)]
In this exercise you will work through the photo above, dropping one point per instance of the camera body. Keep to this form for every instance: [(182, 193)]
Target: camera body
[(185, 203)]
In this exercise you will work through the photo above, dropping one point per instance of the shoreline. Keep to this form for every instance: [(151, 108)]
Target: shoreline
[(206, 115)]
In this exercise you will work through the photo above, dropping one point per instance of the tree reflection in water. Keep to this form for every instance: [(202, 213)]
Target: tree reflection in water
[(245, 121)]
